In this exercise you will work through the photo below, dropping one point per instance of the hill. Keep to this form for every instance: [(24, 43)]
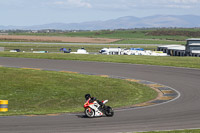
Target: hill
[(127, 22)]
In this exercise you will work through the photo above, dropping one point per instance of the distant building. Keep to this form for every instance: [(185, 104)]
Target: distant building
[(193, 47), (1, 49), (3, 33), (34, 31)]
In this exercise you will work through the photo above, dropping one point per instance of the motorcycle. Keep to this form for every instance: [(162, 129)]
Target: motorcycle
[(95, 110)]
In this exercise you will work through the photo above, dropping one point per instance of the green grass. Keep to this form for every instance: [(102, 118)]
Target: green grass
[(136, 36), (42, 92), (190, 62), (148, 41), (121, 34), (125, 34), (176, 131)]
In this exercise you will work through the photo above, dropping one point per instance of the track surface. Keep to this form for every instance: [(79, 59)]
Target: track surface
[(179, 114)]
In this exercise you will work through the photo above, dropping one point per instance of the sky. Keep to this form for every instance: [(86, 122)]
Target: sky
[(37, 12)]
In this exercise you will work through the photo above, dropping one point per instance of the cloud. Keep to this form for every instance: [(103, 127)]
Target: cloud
[(73, 3), (184, 4), (143, 4), (184, 1), (59, 3), (179, 6), (158, 4)]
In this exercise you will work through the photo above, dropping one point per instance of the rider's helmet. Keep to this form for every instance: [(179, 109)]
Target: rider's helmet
[(87, 96)]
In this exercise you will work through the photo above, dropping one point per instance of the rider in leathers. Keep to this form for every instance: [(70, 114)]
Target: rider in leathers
[(92, 99)]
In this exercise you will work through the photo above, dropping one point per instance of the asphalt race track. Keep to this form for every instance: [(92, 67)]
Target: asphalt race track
[(181, 113)]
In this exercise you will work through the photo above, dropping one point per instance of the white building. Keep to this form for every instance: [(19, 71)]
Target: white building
[(111, 51), (80, 51)]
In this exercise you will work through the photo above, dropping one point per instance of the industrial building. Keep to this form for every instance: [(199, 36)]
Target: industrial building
[(169, 49), (176, 50), (192, 48)]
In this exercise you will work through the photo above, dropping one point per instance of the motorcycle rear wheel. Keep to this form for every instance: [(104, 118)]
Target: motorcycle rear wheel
[(89, 112)]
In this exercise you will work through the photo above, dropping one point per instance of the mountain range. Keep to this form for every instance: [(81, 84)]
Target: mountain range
[(127, 22)]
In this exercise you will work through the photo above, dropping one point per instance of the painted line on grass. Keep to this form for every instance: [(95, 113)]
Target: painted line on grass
[(68, 72), (31, 68), (165, 95)]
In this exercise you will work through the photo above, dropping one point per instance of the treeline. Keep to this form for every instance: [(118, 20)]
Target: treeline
[(175, 33)]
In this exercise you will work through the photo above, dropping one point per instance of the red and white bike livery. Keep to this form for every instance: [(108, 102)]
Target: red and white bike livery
[(94, 109)]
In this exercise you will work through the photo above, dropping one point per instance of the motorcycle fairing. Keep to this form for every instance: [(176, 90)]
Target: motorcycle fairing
[(93, 106)]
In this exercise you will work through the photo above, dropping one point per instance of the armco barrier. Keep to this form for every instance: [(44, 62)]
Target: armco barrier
[(3, 105)]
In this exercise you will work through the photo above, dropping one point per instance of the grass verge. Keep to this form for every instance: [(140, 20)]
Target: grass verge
[(176, 131), (189, 62), (148, 41), (46, 92)]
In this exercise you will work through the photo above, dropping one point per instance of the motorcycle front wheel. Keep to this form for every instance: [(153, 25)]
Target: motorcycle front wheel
[(109, 111), (89, 112)]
